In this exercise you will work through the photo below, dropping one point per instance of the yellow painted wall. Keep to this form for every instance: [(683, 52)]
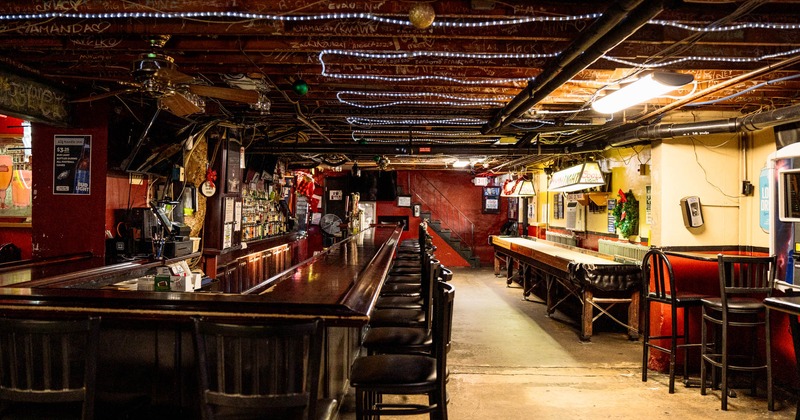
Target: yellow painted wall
[(711, 167)]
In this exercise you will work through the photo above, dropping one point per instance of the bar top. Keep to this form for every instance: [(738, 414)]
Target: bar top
[(339, 285), (788, 304)]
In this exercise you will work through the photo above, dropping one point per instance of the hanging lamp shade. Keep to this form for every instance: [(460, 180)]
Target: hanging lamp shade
[(576, 178), (518, 188)]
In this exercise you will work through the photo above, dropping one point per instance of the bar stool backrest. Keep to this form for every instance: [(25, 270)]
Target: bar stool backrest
[(258, 371), (49, 361), (746, 276), (443, 327), (657, 272)]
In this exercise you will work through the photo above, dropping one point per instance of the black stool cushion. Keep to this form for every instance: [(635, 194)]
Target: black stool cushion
[(400, 302), (393, 369), (401, 288), (736, 304), (408, 278), (393, 338), (397, 317)]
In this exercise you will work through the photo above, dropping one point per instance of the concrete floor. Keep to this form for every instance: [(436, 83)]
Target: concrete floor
[(510, 361)]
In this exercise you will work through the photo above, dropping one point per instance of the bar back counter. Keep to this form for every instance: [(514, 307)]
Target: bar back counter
[(145, 347)]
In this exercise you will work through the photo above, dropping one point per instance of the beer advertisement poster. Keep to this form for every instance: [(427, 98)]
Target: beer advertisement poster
[(72, 164)]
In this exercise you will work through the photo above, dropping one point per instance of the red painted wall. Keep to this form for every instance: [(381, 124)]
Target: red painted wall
[(460, 191), (65, 224), (444, 252), (120, 194)]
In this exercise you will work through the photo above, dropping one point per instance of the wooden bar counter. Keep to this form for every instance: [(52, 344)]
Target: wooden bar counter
[(145, 336)]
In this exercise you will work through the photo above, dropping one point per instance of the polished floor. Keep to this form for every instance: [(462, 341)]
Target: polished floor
[(510, 361)]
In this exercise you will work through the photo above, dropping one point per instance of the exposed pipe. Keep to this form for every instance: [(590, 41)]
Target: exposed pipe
[(390, 149), (752, 122), (619, 22)]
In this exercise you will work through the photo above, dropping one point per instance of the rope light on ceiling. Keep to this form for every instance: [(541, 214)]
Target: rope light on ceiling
[(369, 16), (428, 140), (422, 133), (440, 121), (703, 58), (463, 100), (295, 18)]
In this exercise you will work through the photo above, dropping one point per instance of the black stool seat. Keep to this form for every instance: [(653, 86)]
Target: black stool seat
[(397, 340), (392, 369), (407, 278), (405, 271), (407, 263), (747, 305), (401, 289), (400, 302), (398, 318)]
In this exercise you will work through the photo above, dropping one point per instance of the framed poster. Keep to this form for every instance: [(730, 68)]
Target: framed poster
[(403, 201), (72, 164), (491, 200)]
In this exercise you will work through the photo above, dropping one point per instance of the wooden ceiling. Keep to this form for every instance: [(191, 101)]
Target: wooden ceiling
[(378, 85)]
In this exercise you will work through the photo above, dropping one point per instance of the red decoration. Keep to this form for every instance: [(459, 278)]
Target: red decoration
[(622, 198), (211, 176), (509, 191)]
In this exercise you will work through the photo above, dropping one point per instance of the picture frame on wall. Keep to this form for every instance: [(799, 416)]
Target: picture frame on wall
[(403, 201), (513, 208)]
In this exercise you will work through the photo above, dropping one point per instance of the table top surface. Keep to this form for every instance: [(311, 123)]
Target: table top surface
[(572, 254), (789, 304)]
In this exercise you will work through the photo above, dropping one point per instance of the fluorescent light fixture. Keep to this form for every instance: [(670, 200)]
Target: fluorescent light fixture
[(576, 178), (461, 164), (647, 87)]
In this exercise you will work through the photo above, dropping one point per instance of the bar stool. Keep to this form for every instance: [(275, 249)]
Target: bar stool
[(407, 374), (744, 283), (47, 367), (657, 272), (260, 371), (410, 317)]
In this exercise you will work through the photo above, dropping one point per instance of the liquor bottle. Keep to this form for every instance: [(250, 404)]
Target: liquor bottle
[(82, 172)]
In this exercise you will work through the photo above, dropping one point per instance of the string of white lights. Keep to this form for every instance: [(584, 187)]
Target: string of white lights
[(702, 58), (394, 103), (424, 95), (441, 121), (382, 19), (727, 28), (463, 100), (430, 140), (291, 18), (422, 133)]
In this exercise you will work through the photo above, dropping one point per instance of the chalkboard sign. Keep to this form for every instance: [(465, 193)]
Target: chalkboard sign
[(32, 100)]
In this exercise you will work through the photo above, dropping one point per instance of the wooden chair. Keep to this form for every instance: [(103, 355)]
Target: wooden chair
[(48, 367), (375, 376), (744, 282), (260, 371), (657, 272)]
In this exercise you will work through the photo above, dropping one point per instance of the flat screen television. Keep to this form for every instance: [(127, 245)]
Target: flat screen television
[(789, 195)]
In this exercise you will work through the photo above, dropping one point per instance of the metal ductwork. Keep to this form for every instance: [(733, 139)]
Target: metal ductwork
[(618, 23), (752, 122)]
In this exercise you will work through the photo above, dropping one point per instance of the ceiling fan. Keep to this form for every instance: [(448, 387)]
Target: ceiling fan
[(156, 75)]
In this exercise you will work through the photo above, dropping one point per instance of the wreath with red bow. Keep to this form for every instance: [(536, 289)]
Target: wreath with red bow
[(626, 214)]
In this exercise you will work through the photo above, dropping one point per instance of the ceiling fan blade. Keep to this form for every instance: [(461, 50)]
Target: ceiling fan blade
[(179, 105), (104, 95), (174, 76), (228, 94)]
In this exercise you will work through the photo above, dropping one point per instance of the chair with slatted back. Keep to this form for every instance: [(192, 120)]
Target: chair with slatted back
[(659, 286), (260, 371), (48, 368), (745, 282)]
